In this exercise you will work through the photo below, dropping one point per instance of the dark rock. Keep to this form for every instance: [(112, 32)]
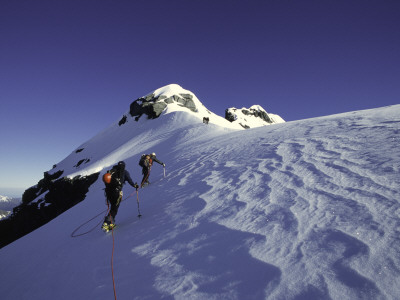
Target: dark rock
[(136, 107), (122, 121), (169, 100), (62, 194), (156, 109), (234, 114), (43, 185), (229, 115), (153, 106), (85, 160)]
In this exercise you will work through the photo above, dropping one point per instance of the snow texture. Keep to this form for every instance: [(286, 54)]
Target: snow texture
[(299, 210)]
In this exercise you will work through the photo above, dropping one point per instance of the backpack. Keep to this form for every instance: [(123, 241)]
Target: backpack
[(142, 161), (113, 178)]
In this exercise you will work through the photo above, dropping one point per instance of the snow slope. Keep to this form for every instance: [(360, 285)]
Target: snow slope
[(299, 210)]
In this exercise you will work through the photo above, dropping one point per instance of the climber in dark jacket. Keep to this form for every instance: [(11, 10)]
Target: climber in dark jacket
[(114, 194), (146, 163)]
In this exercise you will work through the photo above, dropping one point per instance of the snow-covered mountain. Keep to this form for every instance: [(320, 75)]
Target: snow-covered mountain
[(4, 199), (7, 204), (298, 210), (255, 116), (140, 130)]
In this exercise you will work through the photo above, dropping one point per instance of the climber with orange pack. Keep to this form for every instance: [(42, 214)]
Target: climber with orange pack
[(146, 161), (114, 180)]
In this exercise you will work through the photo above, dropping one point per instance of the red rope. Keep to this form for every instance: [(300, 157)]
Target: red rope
[(112, 265), (112, 233), (90, 230), (112, 253)]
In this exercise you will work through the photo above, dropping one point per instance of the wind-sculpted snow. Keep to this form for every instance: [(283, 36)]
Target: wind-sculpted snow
[(299, 210)]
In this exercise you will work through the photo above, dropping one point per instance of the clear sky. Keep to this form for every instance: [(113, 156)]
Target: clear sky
[(68, 69)]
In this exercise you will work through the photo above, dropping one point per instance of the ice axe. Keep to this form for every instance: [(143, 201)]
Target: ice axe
[(137, 200)]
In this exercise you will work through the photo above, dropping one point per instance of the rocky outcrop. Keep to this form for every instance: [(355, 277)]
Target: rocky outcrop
[(153, 106), (44, 202), (254, 116)]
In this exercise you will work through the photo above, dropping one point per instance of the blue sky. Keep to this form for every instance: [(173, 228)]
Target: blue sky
[(71, 68)]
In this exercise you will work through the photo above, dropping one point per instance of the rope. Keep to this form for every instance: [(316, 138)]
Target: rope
[(112, 233), (73, 235), (90, 230), (112, 254)]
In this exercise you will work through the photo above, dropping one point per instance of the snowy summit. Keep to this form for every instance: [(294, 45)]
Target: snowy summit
[(255, 116), (298, 210)]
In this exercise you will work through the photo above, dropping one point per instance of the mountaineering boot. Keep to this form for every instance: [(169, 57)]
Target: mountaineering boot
[(107, 226), (146, 183)]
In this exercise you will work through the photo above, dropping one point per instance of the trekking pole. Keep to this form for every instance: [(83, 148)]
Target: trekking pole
[(137, 200), (164, 171)]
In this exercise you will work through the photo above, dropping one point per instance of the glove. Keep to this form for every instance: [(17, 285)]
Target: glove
[(163, 165), (136, 186)]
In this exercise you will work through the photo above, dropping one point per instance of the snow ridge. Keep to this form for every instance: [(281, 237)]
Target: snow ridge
[(255, 116)]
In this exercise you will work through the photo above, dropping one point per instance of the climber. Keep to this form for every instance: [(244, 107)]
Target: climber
[(114, 181), (146, 161)]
